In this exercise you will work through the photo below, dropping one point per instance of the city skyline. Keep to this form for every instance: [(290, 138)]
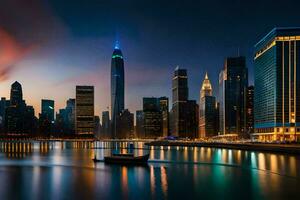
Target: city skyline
[(77, 53)]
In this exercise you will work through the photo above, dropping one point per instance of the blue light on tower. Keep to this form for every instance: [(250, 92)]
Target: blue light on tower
[(117, 45)]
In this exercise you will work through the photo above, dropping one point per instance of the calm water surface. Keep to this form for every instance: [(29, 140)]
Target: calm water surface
[(64, 170)]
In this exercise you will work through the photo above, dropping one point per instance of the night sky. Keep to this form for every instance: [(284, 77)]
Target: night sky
[(51, 46)]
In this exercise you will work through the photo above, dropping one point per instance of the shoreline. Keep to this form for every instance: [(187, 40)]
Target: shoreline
[(262, 147), (271, 148)]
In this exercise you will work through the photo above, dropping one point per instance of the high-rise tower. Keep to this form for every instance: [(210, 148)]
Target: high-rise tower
[(277, 83), (16, 94), (208, 110), (117, 89), (179, 102), (233, 85), (206, 89)]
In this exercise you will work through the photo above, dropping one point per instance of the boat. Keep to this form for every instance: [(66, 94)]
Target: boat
[(128, 158)]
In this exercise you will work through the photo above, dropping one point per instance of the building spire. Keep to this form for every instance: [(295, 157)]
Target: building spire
[(206, 89), (206, 76)]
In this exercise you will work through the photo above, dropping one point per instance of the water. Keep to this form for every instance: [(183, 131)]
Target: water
[(64, 170)]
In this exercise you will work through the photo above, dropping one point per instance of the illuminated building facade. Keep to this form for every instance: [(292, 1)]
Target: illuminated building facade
[(117, 90), (277, 77), (84, 106), (233, 84), (207, 110)]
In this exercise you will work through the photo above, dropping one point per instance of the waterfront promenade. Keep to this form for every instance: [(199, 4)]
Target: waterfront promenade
[(248, 146), (267, 147)]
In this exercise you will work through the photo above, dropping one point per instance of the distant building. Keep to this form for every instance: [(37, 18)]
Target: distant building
[(4, 104), (152, 117), (233, 84), (47, 108), (84, 107), (16, 110), (139, 130), (207, 111), (60, 122), (192, 119), (97, 126), (164, 108), (46, 117), (30, 121), (65, 119), (19, 118), (276, 94), (70, 116), (106, 125), (250, 110), (179, 100), (126, 125), (184, 116), (117, 90)]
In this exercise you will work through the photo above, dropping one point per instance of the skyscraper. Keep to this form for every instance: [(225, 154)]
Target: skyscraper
[(179, 100), (16, 110), (105, 133), (192, 119), (152, 117), (277, 83), (84, 106), (117, 89), (139, 118), (4, 103), (16, 94), (233, 83), (70, 116), (46, 117), (126, 125), (164, 108), (47, 109), (208, 110), (19, 118)]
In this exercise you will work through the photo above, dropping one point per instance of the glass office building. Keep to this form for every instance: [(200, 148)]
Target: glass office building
[(277, 77), (233, 84)]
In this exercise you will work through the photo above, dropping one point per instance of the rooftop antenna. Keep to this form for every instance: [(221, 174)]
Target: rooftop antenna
[(117, 42)]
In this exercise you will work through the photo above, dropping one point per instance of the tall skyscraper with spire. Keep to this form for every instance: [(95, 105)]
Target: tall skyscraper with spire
[(206, 89), (208, 110), (117, 89)]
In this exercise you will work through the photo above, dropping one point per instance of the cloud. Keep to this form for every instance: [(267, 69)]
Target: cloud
[(10, 53)]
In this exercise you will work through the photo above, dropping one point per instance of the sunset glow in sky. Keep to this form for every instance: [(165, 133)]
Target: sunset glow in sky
[(50, 47)]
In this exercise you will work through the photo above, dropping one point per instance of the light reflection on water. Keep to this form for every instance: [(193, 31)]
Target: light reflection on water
[(65, 170)]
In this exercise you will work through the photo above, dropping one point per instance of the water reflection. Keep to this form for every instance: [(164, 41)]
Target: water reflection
[(66, 168), (16, 149)]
